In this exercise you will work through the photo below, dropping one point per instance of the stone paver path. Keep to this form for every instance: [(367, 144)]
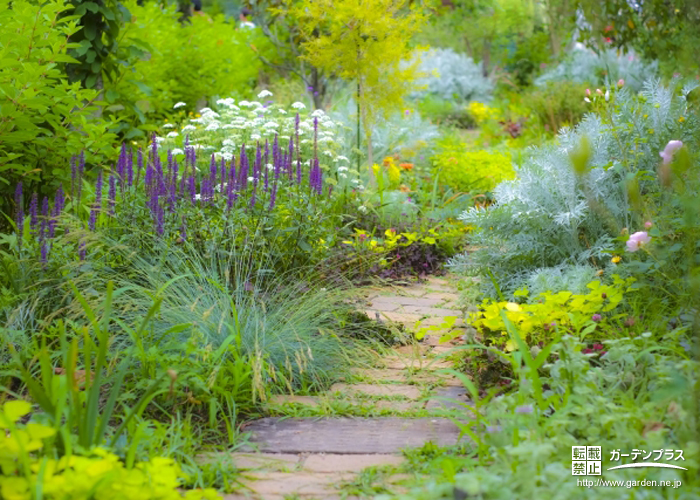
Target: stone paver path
[(315, 443)]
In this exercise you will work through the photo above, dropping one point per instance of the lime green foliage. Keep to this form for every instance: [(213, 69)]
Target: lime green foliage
[(470, 171), (557, 104), (365, 42), (27, 465), (444, 328), (192, 62), (562, 310), (44, 120), (391, 240)]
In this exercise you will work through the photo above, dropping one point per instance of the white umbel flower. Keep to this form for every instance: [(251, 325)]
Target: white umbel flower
[(179, 105), (264, 93), (299, 105)]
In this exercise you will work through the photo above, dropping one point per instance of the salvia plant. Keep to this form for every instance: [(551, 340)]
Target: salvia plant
[(174, 190), (552, 215)]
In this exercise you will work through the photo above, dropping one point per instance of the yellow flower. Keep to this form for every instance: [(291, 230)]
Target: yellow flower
[(394, 172), (616, 259), (681, 119)]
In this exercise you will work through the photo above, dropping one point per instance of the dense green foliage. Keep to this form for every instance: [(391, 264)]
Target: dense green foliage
[(195, 63), (45, 120), (178, 252)]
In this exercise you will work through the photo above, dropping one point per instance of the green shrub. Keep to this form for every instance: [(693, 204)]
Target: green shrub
[(470, 171), (445, 112), (558, 104), (192, 63), (44, 120)]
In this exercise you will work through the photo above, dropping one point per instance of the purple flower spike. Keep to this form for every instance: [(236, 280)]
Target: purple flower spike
[(173, 188), (139, 164), (130, 167), (81, 250), (231, 186), (43, 228), (97, 206), (112, 195), (59, 200), (212, 170), (34, 214), (222, 167), (44, 253), (290, 155), (19, 214), (121, 167)]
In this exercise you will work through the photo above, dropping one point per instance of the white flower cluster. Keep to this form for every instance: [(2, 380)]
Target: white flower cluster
[(233, 125)]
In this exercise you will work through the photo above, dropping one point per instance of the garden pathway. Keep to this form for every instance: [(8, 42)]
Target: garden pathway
[(316, 446)]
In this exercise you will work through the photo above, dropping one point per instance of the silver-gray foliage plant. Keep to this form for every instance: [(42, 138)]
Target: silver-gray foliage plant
[(453, 76), (549, 217), (585, 66), (400, 131)]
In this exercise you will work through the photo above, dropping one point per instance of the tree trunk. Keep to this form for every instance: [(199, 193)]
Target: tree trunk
[(486, 57)]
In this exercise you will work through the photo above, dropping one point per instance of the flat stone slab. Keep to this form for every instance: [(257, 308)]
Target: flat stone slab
[(268, 485), (380, 376), (449, 398), (348, 463), (397, 300), (350, 435), (431, 311), (267, 461), (383, 390)]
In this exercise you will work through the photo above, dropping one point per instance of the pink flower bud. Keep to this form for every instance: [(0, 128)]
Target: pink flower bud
[(588, 92), (599, 92), (620, 83), (648, 224)]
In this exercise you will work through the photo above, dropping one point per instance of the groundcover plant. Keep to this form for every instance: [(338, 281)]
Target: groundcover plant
[(389, 250)]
